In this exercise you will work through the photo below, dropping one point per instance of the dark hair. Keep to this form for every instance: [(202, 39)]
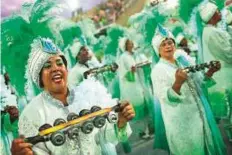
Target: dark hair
[(41, 85)]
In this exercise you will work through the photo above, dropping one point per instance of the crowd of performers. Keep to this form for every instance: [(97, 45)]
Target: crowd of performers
[(149, 69)]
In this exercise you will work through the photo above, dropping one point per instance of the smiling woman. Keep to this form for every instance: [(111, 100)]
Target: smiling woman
[(54, 75)]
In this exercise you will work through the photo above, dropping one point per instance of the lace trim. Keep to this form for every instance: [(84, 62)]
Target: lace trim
[(56, 102), (27, 127)]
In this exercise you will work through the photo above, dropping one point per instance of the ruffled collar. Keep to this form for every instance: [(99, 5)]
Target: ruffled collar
[(70, 98)]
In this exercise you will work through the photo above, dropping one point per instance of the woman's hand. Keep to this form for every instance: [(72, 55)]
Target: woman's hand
[(126, 114)]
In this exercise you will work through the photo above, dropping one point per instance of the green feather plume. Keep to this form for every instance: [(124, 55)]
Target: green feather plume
[(18, 32)]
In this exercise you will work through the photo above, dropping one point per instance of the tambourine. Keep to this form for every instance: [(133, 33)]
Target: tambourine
[(200, 67), (84, 122), (94, 71)]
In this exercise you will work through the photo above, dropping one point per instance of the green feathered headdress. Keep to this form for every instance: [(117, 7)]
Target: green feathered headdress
[(18, 32), (186, 8), (113, 34), (146, 21)]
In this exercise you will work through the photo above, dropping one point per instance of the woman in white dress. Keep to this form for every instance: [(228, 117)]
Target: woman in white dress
[(47, 68), (189, 123)]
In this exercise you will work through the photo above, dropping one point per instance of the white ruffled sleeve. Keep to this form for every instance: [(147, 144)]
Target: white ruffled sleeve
[(28, 127), (92, 93), (74, 77)]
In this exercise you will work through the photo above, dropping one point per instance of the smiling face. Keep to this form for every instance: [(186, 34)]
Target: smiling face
[(167, 49), (54, 75)]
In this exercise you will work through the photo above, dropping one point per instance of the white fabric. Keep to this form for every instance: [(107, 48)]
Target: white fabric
[(7, 99), (207, 10), (168, 8), (45, 109), (183, 124), (75, 48), (217, 45), (131, 91), (93, 62), (179, 38), (229, 29), (76, 74), (228, 17)]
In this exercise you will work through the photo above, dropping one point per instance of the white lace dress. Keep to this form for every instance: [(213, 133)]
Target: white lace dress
[(186, 127), (45, 109), (217, 45), (130, 90)]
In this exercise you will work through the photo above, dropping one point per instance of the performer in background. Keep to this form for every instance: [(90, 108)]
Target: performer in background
[(217, 45), (189, 123), (85, 61), (131, 85), (9, 117)]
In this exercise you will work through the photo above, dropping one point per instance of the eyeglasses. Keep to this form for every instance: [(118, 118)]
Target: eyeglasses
[(166, 42)]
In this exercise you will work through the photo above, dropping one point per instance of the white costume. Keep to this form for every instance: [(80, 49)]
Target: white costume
[(8, 129), (185, 117), (229, 21), (76, 73), (130, 83), (88, 94), (182, 116), (217, 45)]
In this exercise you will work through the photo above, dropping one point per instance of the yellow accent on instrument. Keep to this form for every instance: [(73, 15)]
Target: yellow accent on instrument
[(75, 121)]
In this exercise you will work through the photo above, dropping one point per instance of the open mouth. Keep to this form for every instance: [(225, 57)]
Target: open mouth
[(57, 78), (169, 51)]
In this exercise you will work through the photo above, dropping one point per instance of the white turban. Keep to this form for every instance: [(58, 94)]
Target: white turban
[(207, 10), (122, 43), (160, 35), (75, 48), (41, 50)]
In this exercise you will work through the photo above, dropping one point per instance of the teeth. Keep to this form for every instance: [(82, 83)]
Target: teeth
[(57, 76)]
